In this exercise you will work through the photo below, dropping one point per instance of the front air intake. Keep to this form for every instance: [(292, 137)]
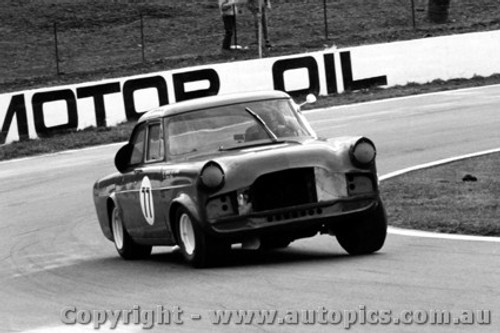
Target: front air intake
[(282, 189)]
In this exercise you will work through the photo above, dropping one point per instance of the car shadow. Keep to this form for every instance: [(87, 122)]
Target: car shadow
[(243, 258)]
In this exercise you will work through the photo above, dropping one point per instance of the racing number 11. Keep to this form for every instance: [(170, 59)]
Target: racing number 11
[(146, 198)]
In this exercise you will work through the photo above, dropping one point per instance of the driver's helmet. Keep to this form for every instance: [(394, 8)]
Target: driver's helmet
[(273, 118)]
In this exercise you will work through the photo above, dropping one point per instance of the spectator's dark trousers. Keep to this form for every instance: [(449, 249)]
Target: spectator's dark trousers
[(229, 25)]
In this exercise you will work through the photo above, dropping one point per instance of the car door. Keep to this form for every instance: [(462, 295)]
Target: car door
[(152, 199), (128, 194), (141, 199)]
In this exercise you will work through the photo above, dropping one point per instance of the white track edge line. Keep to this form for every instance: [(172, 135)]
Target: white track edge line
[(429, 234), (438, 162), (383, 100)]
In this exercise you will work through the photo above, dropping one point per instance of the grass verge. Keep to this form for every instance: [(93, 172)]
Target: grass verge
[(438, 199), (64, 141)]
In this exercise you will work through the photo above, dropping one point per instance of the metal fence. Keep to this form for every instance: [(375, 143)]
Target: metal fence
[(195, 30)]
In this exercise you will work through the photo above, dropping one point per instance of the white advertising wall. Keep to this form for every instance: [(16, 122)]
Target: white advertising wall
[(34, 113)]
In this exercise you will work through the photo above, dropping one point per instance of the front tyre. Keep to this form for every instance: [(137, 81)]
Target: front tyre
[(197, 248), (366, 235), (125, 246)]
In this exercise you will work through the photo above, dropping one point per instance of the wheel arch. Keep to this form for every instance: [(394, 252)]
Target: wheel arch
[(110, 204), (186, 202)]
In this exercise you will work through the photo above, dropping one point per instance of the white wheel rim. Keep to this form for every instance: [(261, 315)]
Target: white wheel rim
[(117, 229), (187, 234)]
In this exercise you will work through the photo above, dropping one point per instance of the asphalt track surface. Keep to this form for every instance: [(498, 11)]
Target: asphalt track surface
[(53, 255)]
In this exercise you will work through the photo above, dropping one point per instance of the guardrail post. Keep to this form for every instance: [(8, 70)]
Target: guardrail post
[(142, 40), (259, 27), (413, 19), (326, 19)]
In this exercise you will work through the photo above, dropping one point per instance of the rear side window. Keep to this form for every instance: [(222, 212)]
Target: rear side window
[(155, 143), (138, 143)]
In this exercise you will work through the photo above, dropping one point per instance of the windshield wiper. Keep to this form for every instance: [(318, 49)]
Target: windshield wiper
[(263, 124), (257, 143)]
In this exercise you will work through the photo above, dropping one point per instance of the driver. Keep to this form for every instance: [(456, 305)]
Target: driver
[(276, 122)]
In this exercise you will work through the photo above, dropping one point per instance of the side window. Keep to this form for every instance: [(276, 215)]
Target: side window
[(138, 143), (155, 143)]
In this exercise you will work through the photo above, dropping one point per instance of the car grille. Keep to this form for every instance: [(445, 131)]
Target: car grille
[(285, 188)]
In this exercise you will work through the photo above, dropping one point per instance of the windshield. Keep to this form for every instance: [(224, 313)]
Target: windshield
[(230, 126)]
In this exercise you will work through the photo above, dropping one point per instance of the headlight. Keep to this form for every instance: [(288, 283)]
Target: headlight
[(212, 176), (363, 152)]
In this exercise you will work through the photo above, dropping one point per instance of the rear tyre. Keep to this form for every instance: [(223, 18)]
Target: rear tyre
[(125, 246), (366, 235), (198, 249)]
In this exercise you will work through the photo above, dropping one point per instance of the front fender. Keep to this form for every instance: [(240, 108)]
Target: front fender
[(184, 200)]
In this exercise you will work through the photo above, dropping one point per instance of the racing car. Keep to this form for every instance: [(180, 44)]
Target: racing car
[(244, 168)]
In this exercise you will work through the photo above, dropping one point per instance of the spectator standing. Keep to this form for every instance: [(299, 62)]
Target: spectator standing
[(229, 10), (253, 6)]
